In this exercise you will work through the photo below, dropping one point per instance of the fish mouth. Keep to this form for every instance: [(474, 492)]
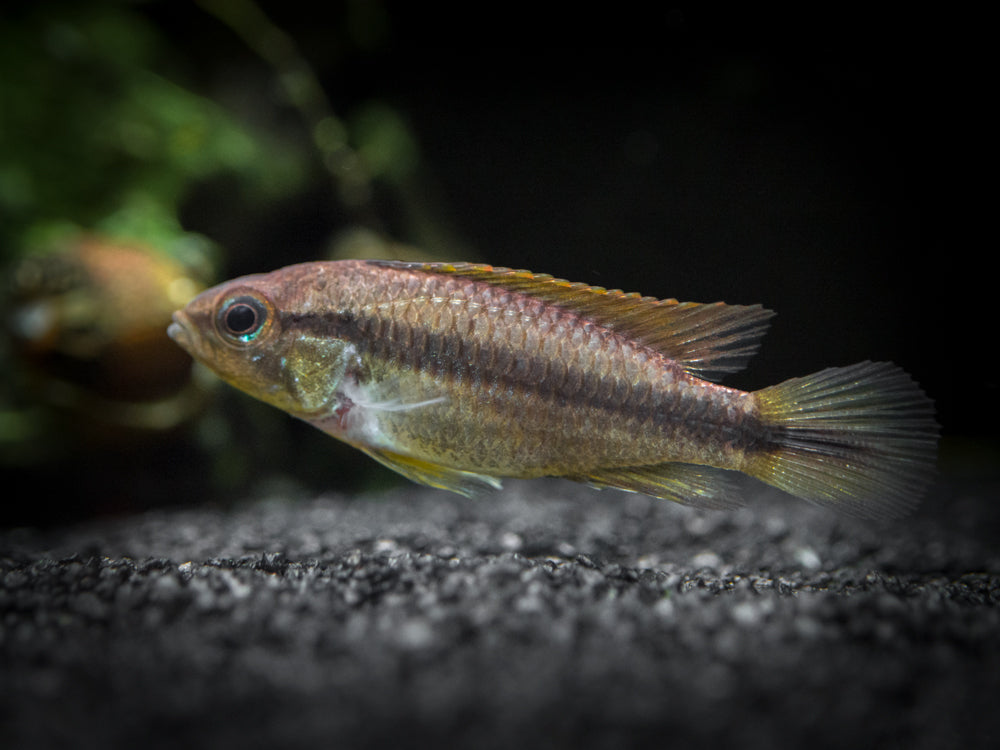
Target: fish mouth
[(180, 331)]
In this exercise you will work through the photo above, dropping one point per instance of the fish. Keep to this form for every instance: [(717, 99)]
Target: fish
[(85, 318), (457, 375)]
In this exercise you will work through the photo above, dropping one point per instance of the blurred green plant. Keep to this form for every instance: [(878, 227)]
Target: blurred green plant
[(103, 142), (92, 137), (99, 149)]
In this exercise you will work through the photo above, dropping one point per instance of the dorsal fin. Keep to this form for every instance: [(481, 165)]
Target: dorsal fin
[(708, 340)]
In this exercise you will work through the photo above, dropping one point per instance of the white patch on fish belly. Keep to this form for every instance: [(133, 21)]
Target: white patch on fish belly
[(355, 414)]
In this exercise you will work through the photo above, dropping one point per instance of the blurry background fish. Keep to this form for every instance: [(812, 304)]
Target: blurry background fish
[(150, 148), (102, 152), (86, 321)]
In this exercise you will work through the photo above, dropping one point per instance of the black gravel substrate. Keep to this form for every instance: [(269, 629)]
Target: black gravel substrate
[(546, 615)]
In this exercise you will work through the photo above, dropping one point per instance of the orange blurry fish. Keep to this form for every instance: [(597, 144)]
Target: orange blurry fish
[(86, 322), (455, 375)]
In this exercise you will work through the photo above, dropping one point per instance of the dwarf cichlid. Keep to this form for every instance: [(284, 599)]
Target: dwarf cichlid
[(455, 375)]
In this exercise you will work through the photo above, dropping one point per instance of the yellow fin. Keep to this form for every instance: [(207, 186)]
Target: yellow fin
[(708, 340), (466, 483), (861, 439), (698, 486)]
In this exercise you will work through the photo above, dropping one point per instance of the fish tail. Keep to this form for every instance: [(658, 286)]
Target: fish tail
[(862, 439)]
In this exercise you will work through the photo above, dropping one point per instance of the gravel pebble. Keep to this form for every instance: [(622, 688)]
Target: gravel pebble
[(546, 615)]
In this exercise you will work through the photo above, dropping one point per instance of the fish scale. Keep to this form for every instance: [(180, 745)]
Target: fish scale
[(456, 375), (557, 386)]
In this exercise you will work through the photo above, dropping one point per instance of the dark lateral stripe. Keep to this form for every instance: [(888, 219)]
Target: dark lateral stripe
[(449, 355), (335, 324)]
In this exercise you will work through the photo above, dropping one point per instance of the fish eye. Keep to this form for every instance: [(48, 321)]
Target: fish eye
[(241, 319)]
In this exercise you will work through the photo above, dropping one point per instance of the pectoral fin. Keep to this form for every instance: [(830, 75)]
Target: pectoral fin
[(698, 486), (466, 483)]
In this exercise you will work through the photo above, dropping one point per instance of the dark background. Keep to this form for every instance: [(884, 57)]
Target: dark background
[(821, 164), (832, 164), (828, 165)]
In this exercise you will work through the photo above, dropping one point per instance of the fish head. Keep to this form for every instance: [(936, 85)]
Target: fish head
[(241, 330)]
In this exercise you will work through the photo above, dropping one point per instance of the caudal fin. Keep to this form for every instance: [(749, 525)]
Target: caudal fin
[(861, 439)]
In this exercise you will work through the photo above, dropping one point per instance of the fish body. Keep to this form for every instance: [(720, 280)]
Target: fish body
[(456, 375)]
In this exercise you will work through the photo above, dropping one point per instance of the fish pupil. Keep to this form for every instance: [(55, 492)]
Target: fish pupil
[(243, 318)]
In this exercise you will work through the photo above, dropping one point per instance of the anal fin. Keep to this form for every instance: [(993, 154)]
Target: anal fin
[(688, 484), (418, 470)]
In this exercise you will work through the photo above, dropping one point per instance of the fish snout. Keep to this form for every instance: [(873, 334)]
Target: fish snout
[(179, 330)]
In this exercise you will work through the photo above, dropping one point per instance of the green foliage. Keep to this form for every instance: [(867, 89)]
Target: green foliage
[(92, 135)]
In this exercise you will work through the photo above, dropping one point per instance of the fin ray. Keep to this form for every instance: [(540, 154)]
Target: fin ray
[(860, 438), (697, 486), (397, 404), (467, 483), (708, 340)]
